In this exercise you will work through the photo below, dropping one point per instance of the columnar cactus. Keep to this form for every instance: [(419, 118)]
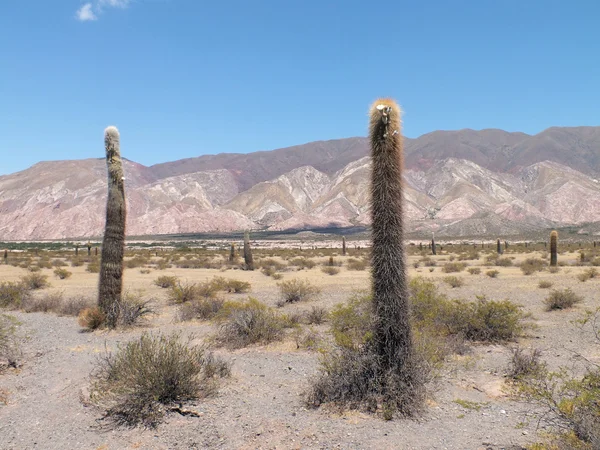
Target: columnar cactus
[(113, 245), (5, 256), (232, 253), (248, 260), (498, 247), (392, 335), (553, 248), (344, 245), (433, 250)]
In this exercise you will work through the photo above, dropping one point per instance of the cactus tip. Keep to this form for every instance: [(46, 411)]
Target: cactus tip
[(112, 131)]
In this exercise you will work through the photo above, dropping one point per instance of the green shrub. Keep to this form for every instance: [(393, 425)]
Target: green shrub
[(63, 274), (182, 293), (454, 281), (202, 309), (561, 299), (165, 281), (154, 374), (296, 290), (35, 281), (249, 322)]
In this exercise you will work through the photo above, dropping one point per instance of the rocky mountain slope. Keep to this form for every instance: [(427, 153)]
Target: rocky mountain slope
[(458, 183)]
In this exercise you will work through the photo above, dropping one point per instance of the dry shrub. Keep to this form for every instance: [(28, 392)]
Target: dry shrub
[(45, 303), (296, 290), (330, 270), (524, 364), (532, 265), (315, 316), (452, 267), (182, 293), (562, 299), (93, 267), (587, 274), (474, 270), (146, 378), (492, 273), (303, 263), (553, 269), (35, 281), (202, 309), (62, 274), (545, 284), (91, 318), (133, 309), (73, 306), (249, 322), (454, 281), (9, 346), (12, 294), (166, 281)]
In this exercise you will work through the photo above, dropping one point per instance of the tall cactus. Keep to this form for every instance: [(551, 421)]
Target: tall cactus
[(392, 331), (553, 248), (344, 245), (232, 253), (433, 250), (113, 245), (248, 260), (498, 247)]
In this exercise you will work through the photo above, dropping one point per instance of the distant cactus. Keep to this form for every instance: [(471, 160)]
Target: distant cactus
[(5, 256), (232, 253), (77, 250), (553, 248), (505, 245), (113, 245), (248, 260), (433, 250), (392, 329), (89, 248), (498, 247), (344, 245)]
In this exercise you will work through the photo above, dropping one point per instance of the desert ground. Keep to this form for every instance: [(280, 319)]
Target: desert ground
[(44, 399)]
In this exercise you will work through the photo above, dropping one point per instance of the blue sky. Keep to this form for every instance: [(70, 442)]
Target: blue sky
[(182, 78)]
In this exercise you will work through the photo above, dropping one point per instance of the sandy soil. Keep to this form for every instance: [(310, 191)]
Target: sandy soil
[(261, 406)]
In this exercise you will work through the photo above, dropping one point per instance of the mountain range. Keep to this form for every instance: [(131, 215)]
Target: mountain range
[(458, 183)]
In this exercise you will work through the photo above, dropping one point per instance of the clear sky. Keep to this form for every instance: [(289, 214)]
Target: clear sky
[(181, 78)]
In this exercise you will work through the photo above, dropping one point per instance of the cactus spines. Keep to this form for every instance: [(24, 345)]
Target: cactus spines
[(249, 262), (344, 245), (553, 248), (113, 244), (392, 335)]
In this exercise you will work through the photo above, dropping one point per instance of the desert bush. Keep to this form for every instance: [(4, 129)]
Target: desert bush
[(202, 309), (308, 339), (93, 267), (273, 264), (452, 267), (249, 322), (587, 274), (524, 364), (91, 318), (330, 270), (454, 281), (12, 294), (553, 269), (428, 261), (9, 346), (469, 256), (236, 286), (296, 290), (34, 269), (76, 262), (152, 375), (532, 265), (315, 316), (357, 264), (45, 303), (572, 406), (492, 273), (145, 271), (73, 306), (352, 322), (545, 284), (35, 281), (474, 270), (165, 281), (561, 299), (59, 263), (163, 264), (136, 261), (303, 263), (63, 274), (485, 320), (181, 293), (133, 308)]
